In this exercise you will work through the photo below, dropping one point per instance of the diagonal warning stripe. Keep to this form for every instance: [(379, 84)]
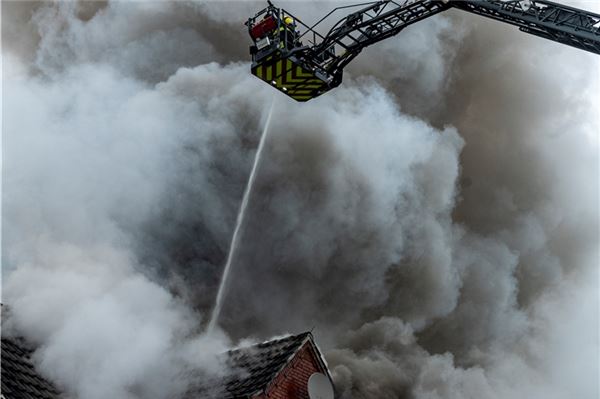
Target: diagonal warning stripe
[(290, 78)]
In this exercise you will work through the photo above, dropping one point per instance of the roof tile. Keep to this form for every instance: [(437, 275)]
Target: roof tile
[(19, 378)]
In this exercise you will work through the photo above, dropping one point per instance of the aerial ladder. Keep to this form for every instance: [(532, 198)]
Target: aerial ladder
[(296, 59)]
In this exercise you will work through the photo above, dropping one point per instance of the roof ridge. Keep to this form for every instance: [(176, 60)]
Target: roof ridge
[(269, 342)]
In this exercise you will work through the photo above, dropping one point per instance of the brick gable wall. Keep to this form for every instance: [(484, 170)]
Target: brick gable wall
[(292, 382)]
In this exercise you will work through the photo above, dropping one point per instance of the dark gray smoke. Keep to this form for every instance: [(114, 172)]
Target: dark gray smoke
[(435, 218)]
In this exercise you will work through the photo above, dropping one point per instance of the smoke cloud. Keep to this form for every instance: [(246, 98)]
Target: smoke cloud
[(435, 218)]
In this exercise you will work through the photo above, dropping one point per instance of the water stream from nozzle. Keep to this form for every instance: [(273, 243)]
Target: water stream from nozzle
[(238, 224)]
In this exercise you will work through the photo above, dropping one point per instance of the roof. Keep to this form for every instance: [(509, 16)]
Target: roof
[(252, 368), (19, 377)]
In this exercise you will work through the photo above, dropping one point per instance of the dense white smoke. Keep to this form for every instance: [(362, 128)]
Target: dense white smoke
[(435, 218)]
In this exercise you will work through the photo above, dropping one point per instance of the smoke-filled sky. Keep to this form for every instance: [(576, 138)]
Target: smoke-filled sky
[(434, 219)]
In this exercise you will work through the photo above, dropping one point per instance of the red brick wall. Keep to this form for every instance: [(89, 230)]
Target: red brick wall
[(292, 382)]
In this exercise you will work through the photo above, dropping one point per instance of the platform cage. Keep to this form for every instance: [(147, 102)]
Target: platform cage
[(283, 55)]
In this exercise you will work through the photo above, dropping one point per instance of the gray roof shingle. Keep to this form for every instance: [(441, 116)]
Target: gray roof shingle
[(19, 377)]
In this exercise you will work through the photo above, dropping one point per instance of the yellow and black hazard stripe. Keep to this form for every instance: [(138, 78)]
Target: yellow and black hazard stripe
[(290, 78)]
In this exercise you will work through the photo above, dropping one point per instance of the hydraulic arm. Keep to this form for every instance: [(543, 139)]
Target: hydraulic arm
[(302, 63), (563, 24)]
